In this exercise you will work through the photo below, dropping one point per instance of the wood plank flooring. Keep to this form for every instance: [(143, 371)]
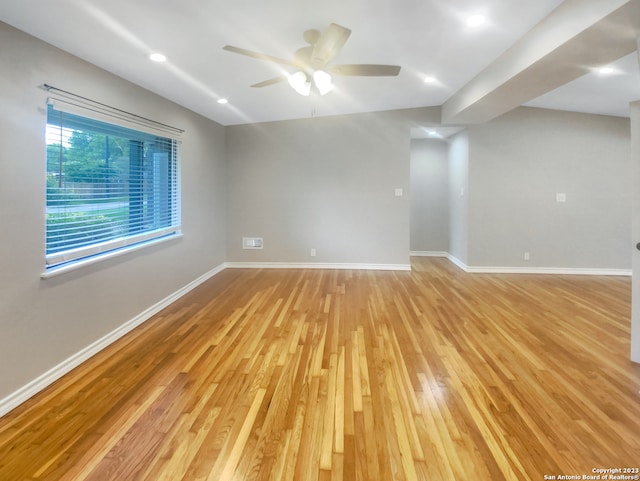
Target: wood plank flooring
[(433, 374)]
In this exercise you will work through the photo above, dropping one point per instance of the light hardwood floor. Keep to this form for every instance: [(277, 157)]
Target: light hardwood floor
[(433, 374)]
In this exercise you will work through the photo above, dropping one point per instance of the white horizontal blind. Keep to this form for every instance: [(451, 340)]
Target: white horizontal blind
[(108, 186), (83, 107)]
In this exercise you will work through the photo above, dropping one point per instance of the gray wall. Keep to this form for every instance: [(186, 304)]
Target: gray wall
[(323, 183), (459, 196), (44, 322), (635, 279), (429, 172), (517, 165)]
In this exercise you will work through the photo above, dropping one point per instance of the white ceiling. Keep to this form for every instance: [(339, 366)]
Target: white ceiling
[(425, 37), (606, 94)]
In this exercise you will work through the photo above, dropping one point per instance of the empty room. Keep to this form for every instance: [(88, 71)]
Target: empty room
[(319, 241)]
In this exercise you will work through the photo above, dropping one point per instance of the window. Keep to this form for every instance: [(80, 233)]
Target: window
[(109, 186)]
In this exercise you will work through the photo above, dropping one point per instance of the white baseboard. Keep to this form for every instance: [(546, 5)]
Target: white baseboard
[(573, 271), (577, 271), (16, 398), (457, 262), (428, 254), (318, 265)]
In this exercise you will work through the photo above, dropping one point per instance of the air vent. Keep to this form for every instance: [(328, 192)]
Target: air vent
[(252, 243)]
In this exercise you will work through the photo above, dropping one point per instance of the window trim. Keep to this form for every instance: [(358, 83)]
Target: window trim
[(98, 248), (59, 269)]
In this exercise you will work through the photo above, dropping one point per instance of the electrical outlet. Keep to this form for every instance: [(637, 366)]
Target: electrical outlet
[(313, 252), (527, 256)]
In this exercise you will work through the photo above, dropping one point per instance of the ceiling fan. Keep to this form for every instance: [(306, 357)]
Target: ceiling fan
[(312, 63)]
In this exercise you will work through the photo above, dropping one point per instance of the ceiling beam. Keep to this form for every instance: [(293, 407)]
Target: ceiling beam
[(575, 38)]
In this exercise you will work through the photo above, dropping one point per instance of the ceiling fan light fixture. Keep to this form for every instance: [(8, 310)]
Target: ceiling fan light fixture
[(322, 81), (310, 61), (300, 83)]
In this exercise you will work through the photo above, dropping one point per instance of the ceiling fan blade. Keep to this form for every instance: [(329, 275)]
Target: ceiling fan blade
[(329, 45), (258, 55), (271, 81), (365, 70)]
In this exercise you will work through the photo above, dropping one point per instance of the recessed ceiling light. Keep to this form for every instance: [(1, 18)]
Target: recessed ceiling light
[(157, 57), (476, 20), (223, 101), (606, 70), (429, 80)]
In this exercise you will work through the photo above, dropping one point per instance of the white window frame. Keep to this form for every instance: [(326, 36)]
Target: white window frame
[(74, 258)]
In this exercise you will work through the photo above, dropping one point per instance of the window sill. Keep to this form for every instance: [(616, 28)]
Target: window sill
[(88, 261)]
